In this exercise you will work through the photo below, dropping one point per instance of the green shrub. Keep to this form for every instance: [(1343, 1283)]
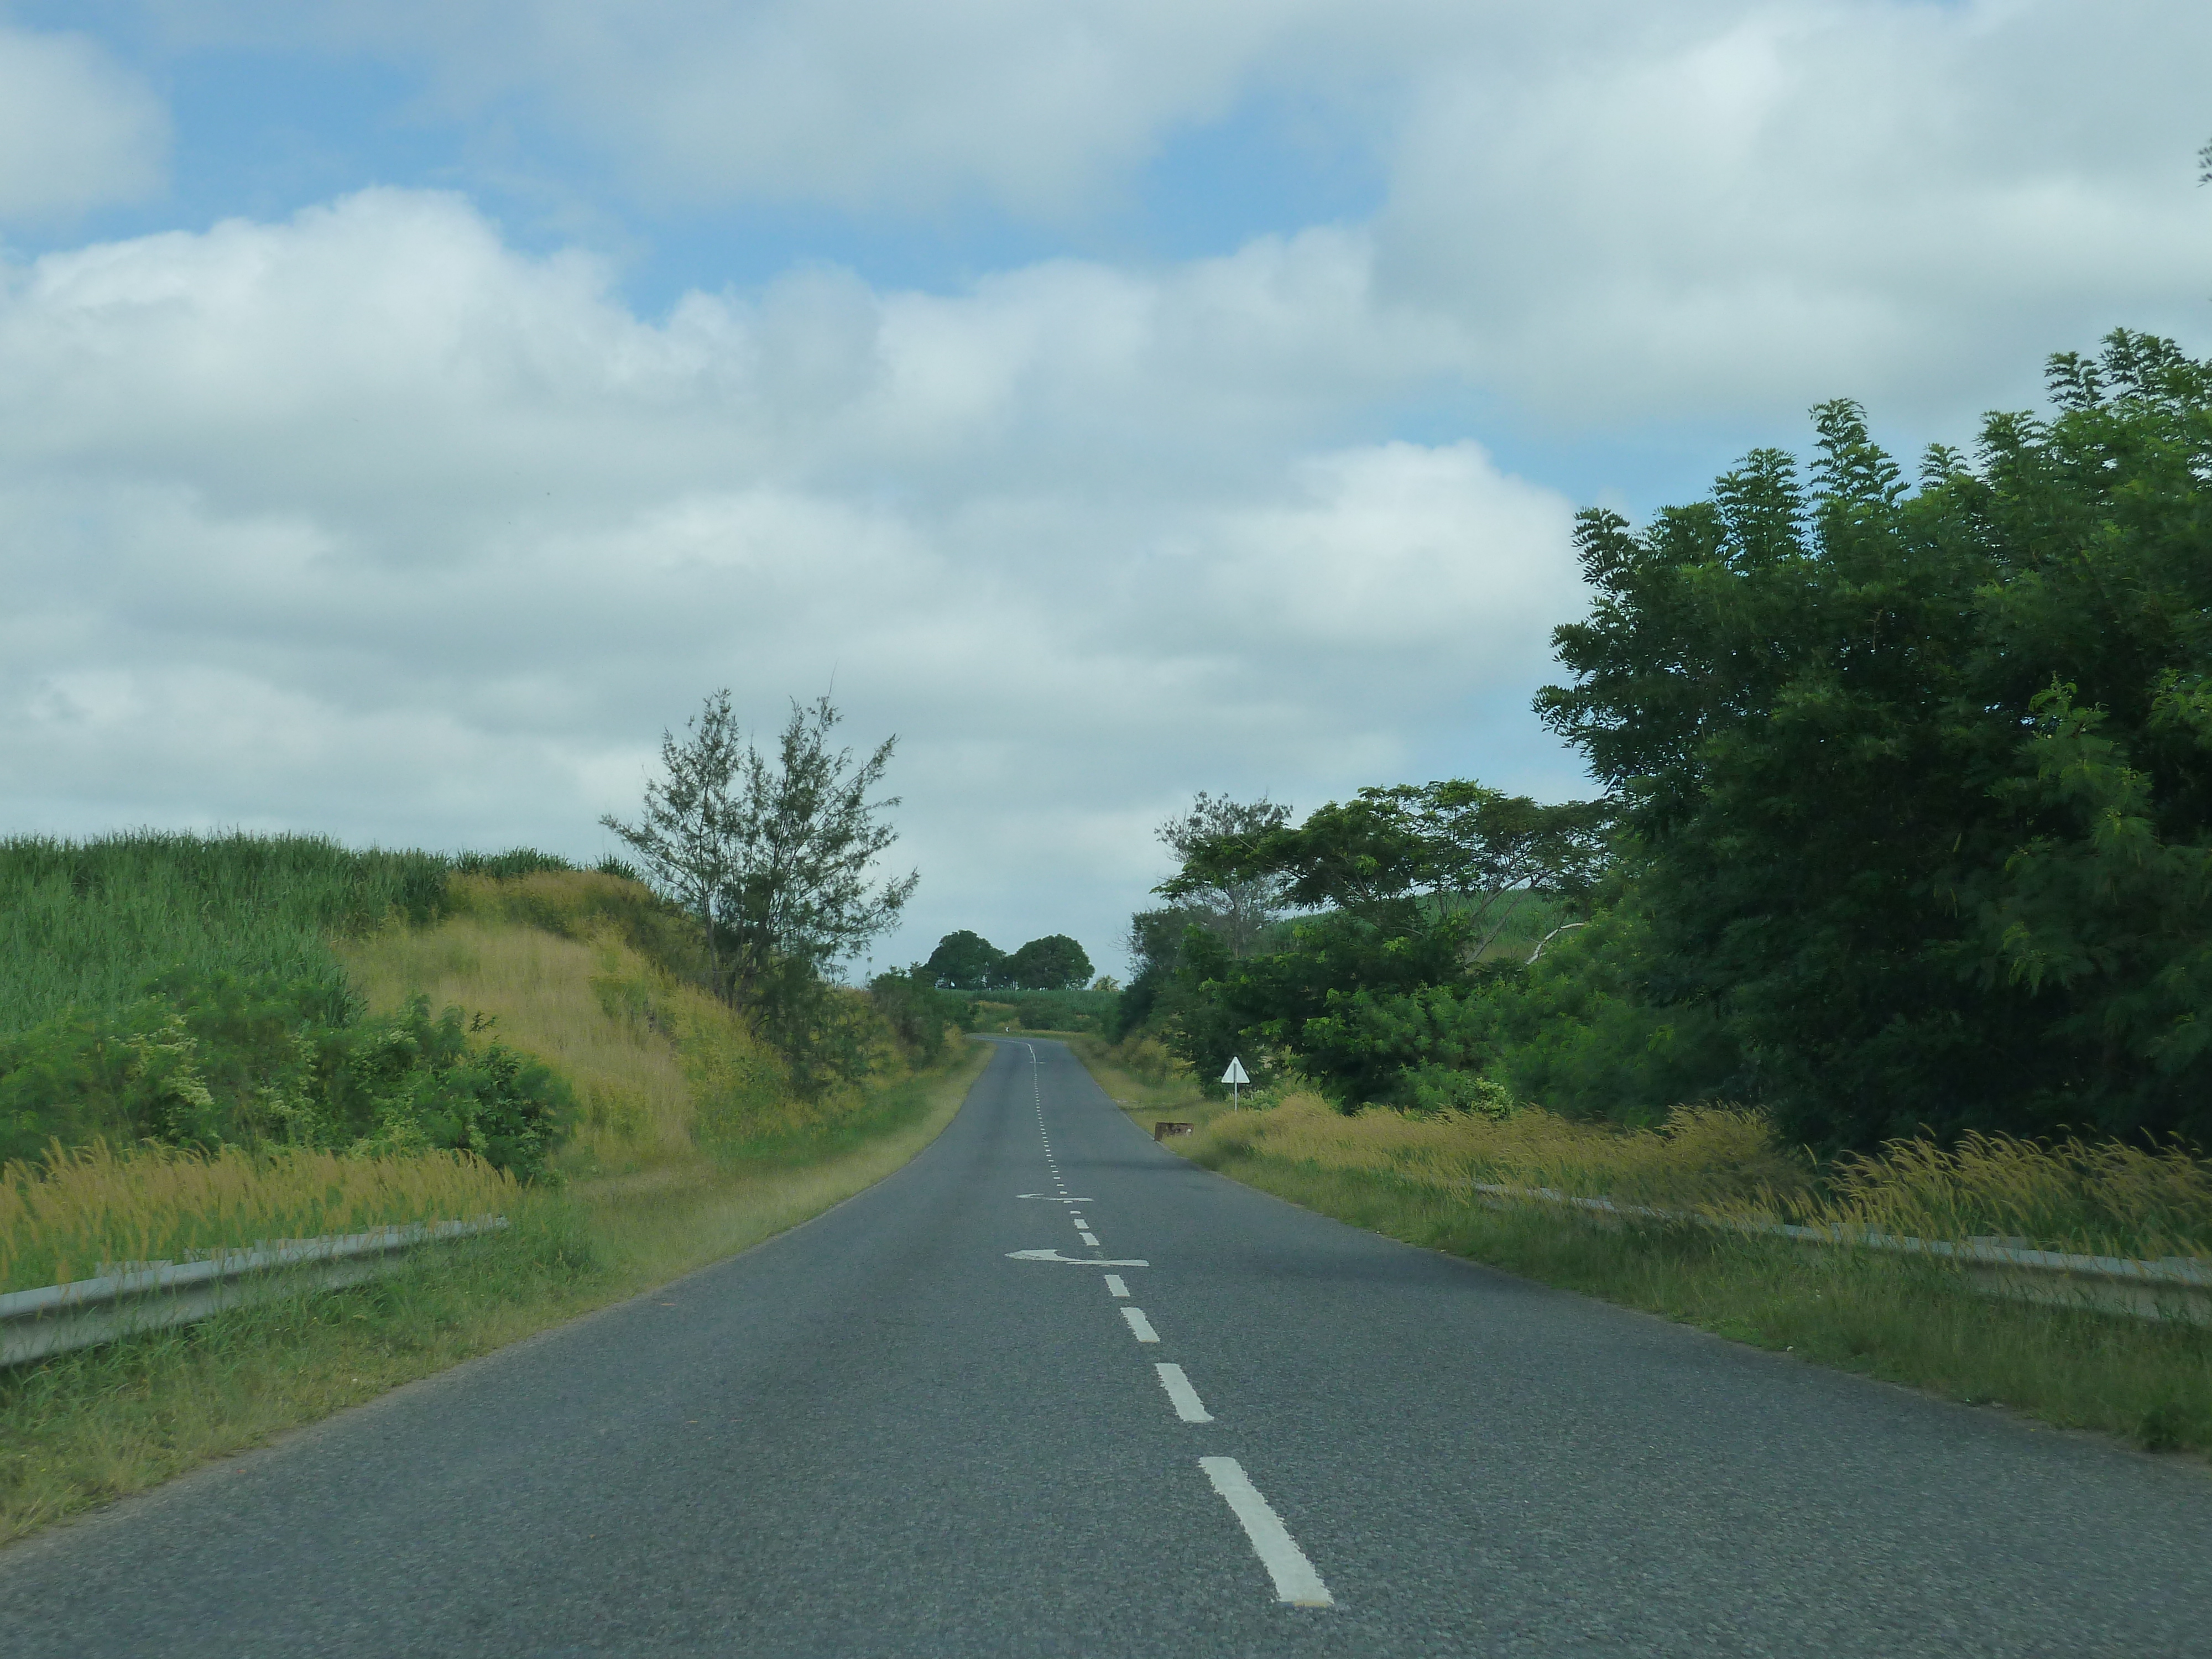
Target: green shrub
[(253, 1063)]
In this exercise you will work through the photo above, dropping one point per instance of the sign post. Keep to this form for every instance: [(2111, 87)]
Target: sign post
[(1234, 1075)]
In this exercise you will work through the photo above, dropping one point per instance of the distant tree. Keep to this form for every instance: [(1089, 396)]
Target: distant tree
[(1407, 891), (966, 961), (1238, 904), (1466, 854), (686, 837), (1055, 963)]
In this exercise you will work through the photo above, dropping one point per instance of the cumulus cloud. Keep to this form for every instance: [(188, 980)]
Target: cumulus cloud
[(1716, 208), (858, 103), (77, 131), (367, 519), (1738, 208)]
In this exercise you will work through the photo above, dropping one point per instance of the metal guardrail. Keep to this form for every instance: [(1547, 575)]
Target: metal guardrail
[(2176, 1287), (56, 1318)]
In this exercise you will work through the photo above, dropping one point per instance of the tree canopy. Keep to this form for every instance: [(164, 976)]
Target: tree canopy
[(1055, 963), (1909, 822), (1920, 781), (966, 961)]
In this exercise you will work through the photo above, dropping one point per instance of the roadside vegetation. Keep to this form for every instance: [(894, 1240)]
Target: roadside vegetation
[(1894, 914), (82, 1428), (209, 1043)]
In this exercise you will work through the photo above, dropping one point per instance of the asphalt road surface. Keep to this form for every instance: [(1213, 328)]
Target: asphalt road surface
[(1049, 1390)]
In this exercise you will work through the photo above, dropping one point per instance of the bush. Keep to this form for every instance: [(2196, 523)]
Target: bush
[(916, 1010), (252, 1062)]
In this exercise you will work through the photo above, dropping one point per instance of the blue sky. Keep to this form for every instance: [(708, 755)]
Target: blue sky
[(407, 410)]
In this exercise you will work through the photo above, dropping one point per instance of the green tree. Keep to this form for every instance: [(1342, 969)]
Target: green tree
[(686, 837), (1407, 891), (776, 853), (799, 896), (1919, 782), (966, 961), (1055, 963), (1236, 903)]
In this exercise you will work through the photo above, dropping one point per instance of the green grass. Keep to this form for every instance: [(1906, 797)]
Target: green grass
[(81, 1429), (83, 924), (1889, 1318), (1038, 1011), (1139, 1077)]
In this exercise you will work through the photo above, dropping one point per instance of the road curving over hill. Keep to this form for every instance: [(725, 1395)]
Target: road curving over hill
[(1049, 1390)]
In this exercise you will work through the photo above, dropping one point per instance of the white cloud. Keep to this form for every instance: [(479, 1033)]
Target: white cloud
[(865, 105), (1737, 209), (368, 521), (1614, 213), (77, 131)]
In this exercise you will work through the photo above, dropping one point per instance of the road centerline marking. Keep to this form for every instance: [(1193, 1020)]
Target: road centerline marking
[(1139, 1326), (1296, 1581), (1091, 1239), (1114, 1286), (1188, 1406)]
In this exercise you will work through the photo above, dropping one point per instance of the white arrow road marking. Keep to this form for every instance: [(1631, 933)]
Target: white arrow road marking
[(1139, 1326), (1296, 1581), (1072, 1261), (1188, 1406)]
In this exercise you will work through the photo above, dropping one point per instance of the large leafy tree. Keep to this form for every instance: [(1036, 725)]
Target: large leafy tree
[(1919, 781), (966, 961), (1055, 963)]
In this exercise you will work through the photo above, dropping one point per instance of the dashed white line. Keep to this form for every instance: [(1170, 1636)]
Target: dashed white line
[(1091, 1239), (1296, 1581), (1188, 1406), (1140, 1327), (1114, 1286)]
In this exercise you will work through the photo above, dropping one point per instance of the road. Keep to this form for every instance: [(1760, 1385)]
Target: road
[(898, 1430)]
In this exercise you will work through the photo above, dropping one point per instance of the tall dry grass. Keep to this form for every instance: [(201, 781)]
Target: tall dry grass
[(1724, 1162), (2101, 1198), (63, 1218), (645, 1052)]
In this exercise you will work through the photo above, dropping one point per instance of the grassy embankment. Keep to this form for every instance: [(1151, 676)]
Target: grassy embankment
[(686, 1148), (1900, 1319)]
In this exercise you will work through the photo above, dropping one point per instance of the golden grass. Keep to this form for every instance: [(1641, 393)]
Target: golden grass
[(83, 1428), (691, 1147), (1704, 1155), (643, 1051), (65, 1218), (2102, 1198), (1140, 1076), (1724, 1162), (1907, 1319)]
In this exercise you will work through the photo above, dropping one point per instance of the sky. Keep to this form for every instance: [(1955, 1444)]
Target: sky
[(409, 411)]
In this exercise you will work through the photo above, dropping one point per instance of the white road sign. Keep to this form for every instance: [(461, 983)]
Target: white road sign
[(1236, 1072)]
